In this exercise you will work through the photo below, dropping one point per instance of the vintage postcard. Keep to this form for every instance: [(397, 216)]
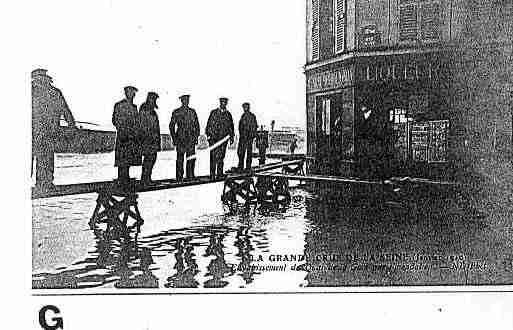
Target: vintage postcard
[(306, 146)]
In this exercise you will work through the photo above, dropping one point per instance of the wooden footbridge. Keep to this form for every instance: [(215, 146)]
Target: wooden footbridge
[(137, 186), (116, 204)]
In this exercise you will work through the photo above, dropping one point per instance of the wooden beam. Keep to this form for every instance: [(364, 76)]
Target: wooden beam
[(335, 179), (91, 187), (318, 178)]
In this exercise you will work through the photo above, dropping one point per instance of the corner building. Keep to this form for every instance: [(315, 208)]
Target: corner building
[(439, 71)]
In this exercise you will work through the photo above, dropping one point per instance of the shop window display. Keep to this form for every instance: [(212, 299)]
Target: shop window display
[(418, 140)]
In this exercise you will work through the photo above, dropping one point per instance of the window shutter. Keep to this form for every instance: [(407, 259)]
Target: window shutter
[(430, 21), (340, 25), (407, 20), (315, 29), (481, 12)]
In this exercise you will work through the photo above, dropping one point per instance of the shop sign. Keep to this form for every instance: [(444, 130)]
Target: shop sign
[(400, 71), (326, 80)]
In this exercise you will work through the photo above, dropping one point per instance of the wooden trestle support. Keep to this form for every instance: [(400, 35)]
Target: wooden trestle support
[(239, 191), (273, 191), (296, 169), (115, 208), (267, 190)]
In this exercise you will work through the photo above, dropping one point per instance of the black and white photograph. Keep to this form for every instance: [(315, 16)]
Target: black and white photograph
[(270, 147)]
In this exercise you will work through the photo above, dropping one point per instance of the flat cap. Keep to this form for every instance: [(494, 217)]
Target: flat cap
[(130, 88), (153, 95), (38, 72)]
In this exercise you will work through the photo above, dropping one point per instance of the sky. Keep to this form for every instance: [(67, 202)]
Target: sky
[(245, 50)]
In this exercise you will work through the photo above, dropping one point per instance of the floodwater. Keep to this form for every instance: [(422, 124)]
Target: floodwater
[(322, 239)]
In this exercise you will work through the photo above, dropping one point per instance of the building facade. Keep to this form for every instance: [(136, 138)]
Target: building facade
[(435, 75)]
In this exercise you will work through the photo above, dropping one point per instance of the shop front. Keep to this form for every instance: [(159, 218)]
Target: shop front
[(409, 97), (330, 120), (390, 117)]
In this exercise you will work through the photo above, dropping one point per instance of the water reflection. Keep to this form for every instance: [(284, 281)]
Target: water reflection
[(127, 263), (127, 273), (122, 262), (244, 247), (222, 250), (386, 244), (218, 269), (185, 266)]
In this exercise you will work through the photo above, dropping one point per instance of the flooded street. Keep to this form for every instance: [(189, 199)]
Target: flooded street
[(190, 240)]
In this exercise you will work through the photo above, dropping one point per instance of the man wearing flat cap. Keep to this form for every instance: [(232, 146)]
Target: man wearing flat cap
[(48, 106), (150, 135), (247, 132), (128, 150), (219, 126), (185, 130)]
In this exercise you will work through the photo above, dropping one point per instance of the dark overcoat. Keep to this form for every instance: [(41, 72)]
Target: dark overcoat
[(48, 105), (371, 137), (219, 125), (126, 120), (150, 130), (184, 127), (377, 136), (247, 127)]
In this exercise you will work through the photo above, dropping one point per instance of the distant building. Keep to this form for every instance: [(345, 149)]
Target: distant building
[(293, 129), (439, 70), (280, 140), (93, 138)]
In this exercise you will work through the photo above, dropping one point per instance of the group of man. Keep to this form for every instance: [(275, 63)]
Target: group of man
[(138, 136), (138, 133)]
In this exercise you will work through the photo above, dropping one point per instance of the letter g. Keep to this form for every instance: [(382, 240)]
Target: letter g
[(57, 322)]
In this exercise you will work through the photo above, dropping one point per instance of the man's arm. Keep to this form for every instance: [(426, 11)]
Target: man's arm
[(157, 125), (232, 128), (172, 125), (115, 120), (196, 127), (253, 127), (241, 126), (208, 129)]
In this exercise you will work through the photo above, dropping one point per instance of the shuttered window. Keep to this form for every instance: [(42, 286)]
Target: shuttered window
[(340, 25), (430, 20), (315, 29), (481, 12), (419, 20), (407, 20)]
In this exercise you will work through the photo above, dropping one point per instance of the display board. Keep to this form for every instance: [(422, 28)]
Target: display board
[(402, 141), (438, 140), (420, 141)]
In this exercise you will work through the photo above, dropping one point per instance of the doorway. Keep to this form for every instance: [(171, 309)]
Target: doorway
[(334, 131), (323, 133)]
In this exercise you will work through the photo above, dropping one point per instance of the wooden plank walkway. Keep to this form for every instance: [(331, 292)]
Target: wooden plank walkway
[(318, 178), (356, 181), (284, 156), (91, 187)]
